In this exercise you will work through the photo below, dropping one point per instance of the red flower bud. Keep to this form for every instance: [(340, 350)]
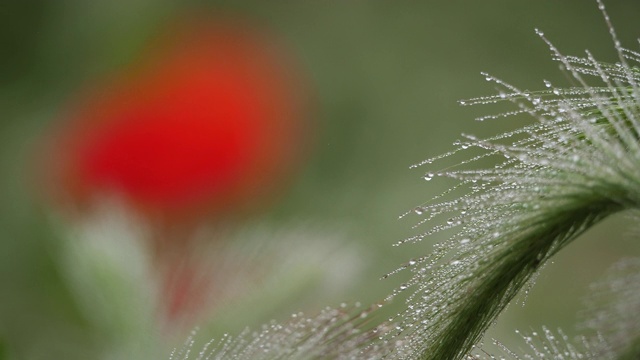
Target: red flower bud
[(207, 123)]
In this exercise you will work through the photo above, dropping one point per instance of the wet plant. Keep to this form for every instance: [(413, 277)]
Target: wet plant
[(610, 324), (576, 163)]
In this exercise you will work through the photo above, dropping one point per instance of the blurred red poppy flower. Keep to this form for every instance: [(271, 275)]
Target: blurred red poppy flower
[(208, 123), (205, 126)]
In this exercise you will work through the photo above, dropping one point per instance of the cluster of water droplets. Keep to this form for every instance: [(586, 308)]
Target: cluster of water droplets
[(583, 147), (611, 325), (335, 333), (546, 344)]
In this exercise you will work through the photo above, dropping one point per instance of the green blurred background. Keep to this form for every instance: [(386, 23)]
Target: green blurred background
[(387, 77)]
